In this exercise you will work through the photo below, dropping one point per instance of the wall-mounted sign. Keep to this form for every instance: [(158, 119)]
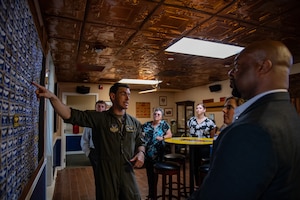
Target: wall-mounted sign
[(142, 109)]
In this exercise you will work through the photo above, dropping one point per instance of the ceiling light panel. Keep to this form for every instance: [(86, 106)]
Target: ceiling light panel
[(204, 48), (140, 81)]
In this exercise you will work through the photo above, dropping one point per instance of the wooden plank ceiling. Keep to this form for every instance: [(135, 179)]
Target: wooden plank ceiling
[(133, 34)]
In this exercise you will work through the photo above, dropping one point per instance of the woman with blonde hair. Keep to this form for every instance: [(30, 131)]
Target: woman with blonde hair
[(203, 127)]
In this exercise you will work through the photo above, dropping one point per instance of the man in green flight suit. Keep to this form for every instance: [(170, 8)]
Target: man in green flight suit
[(118, 141)]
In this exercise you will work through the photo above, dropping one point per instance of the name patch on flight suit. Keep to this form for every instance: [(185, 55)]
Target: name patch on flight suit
[(129, 128)]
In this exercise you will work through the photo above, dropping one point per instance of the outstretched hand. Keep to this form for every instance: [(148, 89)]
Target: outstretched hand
[(41, 91), (61, 109)]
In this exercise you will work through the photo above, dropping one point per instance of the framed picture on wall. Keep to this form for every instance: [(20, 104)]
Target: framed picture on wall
[(162, 100), (168, 112)]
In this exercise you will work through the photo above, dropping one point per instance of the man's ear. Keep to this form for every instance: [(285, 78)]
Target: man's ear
[(266, 66), (112, 96)]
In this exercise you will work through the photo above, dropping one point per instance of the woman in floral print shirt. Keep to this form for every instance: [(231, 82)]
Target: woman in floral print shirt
[(201, 126), (155, 132)]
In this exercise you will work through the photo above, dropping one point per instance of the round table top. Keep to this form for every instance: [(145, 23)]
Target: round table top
[(190, 140)]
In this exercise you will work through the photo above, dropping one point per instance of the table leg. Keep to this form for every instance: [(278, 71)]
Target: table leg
[(192, 154), (173, 148)]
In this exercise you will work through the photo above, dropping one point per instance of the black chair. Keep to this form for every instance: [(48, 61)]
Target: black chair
[(180, 159), (169, 169)]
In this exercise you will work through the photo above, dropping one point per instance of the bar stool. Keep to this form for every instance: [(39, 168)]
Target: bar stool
[(181, 159), (167, 168)]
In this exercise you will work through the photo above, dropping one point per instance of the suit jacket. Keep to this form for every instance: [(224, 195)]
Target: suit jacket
[(257, 156)]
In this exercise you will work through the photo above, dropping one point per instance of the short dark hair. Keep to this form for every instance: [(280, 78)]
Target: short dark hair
[(116, 86)]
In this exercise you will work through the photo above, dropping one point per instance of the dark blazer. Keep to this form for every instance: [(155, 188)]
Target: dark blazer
[(258, 156)]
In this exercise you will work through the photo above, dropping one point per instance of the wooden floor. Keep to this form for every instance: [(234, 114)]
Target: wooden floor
[(77, 183)]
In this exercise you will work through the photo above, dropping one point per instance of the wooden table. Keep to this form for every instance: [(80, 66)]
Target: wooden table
[(191, 141)]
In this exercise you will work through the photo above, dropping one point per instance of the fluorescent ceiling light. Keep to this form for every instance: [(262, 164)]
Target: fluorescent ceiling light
[(159, 90), (140, 81), (148, 91), (204, 48)]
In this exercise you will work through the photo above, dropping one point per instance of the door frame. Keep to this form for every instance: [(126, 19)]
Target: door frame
[(63, 125)]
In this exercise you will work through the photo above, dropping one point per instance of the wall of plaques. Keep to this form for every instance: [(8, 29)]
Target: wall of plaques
[(21, 62)]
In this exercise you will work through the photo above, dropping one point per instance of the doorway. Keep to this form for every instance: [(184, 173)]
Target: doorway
[(71, 153)]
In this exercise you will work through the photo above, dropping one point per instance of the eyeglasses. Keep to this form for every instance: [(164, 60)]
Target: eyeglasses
[(156, 114)]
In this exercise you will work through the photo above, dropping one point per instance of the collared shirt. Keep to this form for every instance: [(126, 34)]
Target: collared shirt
[(240, 109), (154, 146), (86, 141)]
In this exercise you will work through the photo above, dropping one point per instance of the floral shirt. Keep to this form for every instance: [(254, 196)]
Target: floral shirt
[(154, 147), (200, 130)]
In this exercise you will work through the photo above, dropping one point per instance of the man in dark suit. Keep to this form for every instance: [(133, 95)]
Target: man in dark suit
[(258, 155)]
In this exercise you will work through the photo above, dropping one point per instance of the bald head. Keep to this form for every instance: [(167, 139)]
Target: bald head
[(260, 67), (275, 51)]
